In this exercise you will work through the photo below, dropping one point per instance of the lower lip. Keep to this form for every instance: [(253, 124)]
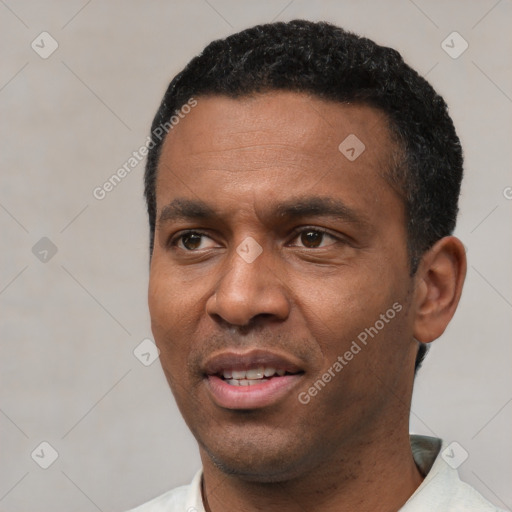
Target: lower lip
[(256, 396)]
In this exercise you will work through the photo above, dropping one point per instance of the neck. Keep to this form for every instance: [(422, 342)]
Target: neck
[(377, 473)]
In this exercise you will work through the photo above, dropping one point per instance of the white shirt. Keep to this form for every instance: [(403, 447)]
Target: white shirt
[(440, 491)]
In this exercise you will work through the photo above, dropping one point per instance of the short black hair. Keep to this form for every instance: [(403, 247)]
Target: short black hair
[(331, 63)]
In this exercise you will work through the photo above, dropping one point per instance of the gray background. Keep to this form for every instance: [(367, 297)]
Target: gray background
[(70, 324)]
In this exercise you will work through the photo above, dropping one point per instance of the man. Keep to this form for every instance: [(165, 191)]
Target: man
[(302, 189)]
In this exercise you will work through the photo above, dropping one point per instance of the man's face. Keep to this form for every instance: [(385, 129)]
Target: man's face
[(274, 252)]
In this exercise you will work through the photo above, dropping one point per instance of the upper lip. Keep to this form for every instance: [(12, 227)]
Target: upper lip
[(233, 360)]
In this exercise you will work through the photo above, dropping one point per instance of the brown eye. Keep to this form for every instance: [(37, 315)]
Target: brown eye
[(191, 241), (311, 238)]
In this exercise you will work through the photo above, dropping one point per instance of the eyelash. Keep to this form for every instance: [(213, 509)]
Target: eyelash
[(176, 239), (304, 229), (173, 242)]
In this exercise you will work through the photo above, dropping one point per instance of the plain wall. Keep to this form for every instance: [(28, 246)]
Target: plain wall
[(70, 325)]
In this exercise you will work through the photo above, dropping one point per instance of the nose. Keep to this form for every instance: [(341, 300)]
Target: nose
[(249, 291)]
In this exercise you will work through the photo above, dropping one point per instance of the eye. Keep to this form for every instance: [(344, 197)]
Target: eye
[(193, 240), (314, 238)]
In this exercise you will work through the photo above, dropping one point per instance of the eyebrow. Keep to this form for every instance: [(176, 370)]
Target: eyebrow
[(186, 209), (320, 207)]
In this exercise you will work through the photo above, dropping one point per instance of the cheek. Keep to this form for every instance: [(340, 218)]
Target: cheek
[(344, 301), (171, 299), (347, 308), (170, 311), (161, 300), (177, 309)]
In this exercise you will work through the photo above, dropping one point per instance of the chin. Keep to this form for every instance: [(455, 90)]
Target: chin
[(268, 460), (264, 472)]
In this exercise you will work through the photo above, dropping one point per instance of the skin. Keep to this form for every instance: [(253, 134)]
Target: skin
[(305, 296)]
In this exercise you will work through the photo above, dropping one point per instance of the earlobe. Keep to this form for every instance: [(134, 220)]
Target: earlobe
[(438, 288)]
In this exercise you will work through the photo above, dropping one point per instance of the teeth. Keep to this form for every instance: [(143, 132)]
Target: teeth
[(252, 376), (257, 373), (245, 382)]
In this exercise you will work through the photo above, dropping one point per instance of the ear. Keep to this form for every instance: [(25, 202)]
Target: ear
[(438, 287)]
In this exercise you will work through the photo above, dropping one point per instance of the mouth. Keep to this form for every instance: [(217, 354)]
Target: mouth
[(250, 380), (252, 376)]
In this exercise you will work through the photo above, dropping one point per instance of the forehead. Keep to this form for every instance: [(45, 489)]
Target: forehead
[(297, 126), (252, 153)]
